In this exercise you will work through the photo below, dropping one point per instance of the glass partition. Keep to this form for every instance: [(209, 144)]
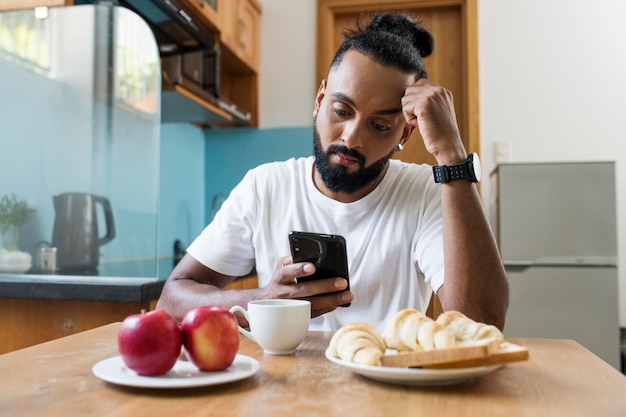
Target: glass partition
[(79, 140)]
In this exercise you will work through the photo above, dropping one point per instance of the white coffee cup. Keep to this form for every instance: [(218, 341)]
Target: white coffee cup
[(278, 326)]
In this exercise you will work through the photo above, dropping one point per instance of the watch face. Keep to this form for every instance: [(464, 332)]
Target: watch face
[(476, 166)]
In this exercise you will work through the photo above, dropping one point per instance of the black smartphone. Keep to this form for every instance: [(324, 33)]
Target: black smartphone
[(327, 252)]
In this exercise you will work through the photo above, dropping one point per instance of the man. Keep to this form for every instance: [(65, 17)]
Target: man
[(407, 236)]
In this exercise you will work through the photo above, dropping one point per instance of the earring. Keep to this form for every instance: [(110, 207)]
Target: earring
[(400, 146), (315, 113)]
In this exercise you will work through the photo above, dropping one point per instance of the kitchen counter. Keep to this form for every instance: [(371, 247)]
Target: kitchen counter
[(75, 287), (38, 308)]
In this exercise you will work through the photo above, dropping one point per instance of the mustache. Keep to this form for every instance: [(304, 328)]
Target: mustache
[(346, 151)]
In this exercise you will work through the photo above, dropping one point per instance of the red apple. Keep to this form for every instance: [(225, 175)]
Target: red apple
[(210, 337), (149, 343)]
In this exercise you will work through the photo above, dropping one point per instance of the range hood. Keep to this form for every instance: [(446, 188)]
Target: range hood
[(174, 28)]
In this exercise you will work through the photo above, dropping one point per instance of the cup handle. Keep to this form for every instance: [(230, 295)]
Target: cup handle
[(241, 329)]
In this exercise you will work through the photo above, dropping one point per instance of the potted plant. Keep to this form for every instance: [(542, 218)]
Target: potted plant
[(13, 214)]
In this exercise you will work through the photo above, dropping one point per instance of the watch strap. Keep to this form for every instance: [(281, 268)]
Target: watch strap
[(461, 171), (446, 173)]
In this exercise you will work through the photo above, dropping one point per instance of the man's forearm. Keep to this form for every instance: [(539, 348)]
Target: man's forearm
[(475, 279)]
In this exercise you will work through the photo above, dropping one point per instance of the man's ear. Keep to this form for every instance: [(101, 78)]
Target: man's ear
[(406, 133), (321, 92)]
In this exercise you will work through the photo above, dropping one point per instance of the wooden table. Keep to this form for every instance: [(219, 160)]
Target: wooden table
[(561, 378)]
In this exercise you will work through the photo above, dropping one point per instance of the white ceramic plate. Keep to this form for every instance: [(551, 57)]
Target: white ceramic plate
[(415, 376), (184, 374)]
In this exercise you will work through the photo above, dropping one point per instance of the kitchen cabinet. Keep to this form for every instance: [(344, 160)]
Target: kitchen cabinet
[(37, 308), (237, 24), (240, 28), (27, 322), (247, 282)]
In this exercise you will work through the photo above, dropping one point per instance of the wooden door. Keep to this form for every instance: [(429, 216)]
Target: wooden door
[(453, 63)]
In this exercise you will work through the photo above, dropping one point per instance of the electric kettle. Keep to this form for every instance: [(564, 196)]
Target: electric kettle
[(75, 233)]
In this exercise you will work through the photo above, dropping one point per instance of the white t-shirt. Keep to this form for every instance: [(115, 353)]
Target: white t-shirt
[(393, 235)]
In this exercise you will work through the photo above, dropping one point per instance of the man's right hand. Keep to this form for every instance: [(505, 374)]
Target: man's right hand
[(325, 295)]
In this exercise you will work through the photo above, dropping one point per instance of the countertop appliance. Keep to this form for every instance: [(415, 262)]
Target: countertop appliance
[(557, 233), (76, 235)]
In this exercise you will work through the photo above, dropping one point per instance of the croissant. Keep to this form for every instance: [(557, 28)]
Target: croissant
[(360, 343), (410, 330), (466, 330)]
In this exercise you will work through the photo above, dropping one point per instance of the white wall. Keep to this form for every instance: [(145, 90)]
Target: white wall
[(552, 85), (552, 82)]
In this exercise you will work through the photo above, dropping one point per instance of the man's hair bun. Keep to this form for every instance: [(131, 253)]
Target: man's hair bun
[(404, 27), (390, 39)]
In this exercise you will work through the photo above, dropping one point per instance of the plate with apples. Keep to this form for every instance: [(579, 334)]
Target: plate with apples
[(184, 374), (150, 351)]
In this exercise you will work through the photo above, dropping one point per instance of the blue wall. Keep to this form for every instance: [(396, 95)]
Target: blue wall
[(197, 165), (181, 184), (231, 153)]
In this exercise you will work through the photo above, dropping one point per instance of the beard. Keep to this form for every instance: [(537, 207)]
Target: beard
[(335, 177)]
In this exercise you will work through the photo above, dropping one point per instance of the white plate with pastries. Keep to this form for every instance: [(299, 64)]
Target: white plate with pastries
[(416, 350), (415, 376)]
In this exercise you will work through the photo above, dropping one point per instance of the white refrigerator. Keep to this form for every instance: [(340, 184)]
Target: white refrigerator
[(556, 228)]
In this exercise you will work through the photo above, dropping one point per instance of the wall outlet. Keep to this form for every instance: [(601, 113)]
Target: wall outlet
[(179, 251), (502, 152)]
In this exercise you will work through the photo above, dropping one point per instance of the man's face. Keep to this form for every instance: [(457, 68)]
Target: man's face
[(359, 122), (336, 176)]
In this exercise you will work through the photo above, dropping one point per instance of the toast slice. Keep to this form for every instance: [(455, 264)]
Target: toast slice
[(436, 357), (507, 353)]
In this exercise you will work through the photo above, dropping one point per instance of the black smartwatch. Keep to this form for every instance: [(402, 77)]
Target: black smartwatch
[(466, 170)]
